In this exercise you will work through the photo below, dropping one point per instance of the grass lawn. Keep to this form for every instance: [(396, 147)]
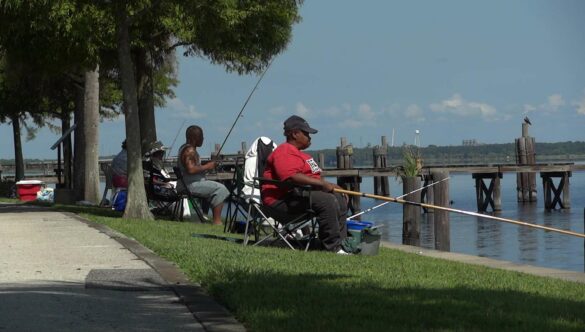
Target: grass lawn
[(9, 200), (273, 289)]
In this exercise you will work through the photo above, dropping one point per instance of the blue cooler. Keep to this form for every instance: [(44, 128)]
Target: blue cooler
[(364, 237)]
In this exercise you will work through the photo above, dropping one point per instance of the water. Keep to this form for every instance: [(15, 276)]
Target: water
[(494, 239)]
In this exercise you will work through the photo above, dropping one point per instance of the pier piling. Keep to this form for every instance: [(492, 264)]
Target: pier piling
[(411, 214), (344, 161), (441, 218)]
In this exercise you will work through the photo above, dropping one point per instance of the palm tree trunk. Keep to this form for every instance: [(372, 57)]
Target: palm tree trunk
[(144, 72), (67, 148), (78, 147), (18, 158), (136, 204), (91, 136)]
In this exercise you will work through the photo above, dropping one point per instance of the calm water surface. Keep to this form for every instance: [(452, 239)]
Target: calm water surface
[(489, 238)]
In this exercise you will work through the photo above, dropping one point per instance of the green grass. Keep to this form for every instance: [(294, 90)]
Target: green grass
[(272, 289), (9, 200)]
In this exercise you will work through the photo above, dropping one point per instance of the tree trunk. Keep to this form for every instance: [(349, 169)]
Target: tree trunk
[(18, 158), (91, 136), (78, 147), (144, 78), (67, 151), (136, 204)]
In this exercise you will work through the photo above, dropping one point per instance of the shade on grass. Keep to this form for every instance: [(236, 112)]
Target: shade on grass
[(271, 289)]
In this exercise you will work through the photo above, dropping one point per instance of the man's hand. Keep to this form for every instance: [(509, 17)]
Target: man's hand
[(328, 187), (209, 165)]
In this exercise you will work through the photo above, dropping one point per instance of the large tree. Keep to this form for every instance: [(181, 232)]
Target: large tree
[(241, 35), (61, 40)]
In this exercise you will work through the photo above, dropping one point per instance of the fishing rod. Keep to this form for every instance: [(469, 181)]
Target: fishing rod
[(380, 205), (469, 213), (177, 135), (243, 107)]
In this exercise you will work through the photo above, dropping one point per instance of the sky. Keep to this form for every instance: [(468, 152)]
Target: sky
[(451, 70)]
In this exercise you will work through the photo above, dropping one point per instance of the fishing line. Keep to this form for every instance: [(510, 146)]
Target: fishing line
[(243, 107), (177, 135), (469, 213), (380, 205)]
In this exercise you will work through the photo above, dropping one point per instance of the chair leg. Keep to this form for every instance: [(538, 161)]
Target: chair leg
[(179, 209), (103, 201), (198, 211)]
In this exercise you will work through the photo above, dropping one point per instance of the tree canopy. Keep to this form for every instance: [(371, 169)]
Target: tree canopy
[(132, 42)]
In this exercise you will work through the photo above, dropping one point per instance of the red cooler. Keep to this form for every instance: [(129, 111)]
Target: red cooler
[(27, 189)]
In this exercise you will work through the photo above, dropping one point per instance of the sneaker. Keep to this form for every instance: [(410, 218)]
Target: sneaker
[(342, 252)]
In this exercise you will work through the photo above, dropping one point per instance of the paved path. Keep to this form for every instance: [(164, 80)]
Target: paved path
[(61, 273)]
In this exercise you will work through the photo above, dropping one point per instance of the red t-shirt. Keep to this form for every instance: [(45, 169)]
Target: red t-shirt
[(285, 161)]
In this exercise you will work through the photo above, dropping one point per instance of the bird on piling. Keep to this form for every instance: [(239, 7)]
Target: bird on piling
[(527, 120)]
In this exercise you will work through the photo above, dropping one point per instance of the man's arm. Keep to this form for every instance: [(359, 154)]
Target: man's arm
[(317, 183), (190, 160)]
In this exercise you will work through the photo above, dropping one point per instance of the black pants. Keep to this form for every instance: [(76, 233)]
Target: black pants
[(331, 212)]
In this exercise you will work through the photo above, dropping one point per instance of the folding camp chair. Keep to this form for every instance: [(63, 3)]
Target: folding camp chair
[(109, 186), (163, 199), (187, 195), (237, 206), (107, 170), (298, 228), (241, 189)]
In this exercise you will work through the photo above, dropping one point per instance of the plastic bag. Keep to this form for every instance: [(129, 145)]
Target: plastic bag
[(45, 195)]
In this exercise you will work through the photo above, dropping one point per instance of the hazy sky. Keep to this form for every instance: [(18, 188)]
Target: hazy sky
[(454, 70)]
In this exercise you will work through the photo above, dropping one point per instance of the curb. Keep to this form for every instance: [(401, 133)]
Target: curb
[(210, 314), (573, 276)]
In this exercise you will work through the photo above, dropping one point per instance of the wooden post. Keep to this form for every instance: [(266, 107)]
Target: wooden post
[(244, 148), (478, 193), (566, 191), (497, 193), (525, 129), (339, 155), (546, 188), (344, 161), (556, 195), (410, 213), (441, 218), (321, 160), (381, 185), (525, 155), (216, 150), (531, 160), (59, 169), (427, 194), (488, 196)]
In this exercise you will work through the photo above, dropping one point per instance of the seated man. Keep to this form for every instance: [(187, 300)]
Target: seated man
[(288, 163), (194, 173), (119, 168)]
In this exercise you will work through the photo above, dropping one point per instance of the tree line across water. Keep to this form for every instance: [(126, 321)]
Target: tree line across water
[(452, 154)]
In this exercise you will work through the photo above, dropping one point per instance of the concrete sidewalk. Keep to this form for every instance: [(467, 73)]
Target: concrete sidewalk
[(59, 272)]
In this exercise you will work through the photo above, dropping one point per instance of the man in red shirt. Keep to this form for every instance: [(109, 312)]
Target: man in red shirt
[(288, 163)]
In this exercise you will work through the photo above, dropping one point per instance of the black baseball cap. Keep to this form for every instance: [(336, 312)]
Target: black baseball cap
[(296, 122)]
